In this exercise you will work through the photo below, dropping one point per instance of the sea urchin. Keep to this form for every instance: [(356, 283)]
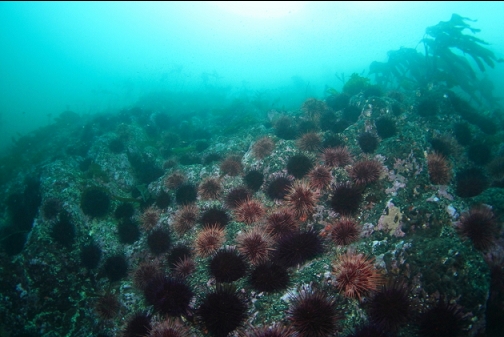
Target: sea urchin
[(302, 199), (313, 313), (356, 275), (222, 311), (480, 227)]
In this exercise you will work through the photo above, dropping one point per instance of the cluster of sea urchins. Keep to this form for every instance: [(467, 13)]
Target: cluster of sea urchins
[(275, 240)]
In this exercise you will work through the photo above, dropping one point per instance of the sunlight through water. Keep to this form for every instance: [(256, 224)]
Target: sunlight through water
[(261, 9)]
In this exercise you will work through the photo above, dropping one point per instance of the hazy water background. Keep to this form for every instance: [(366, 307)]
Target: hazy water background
[(92, 57)]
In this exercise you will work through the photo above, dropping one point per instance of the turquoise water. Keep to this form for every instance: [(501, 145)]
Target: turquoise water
[(373, 130)]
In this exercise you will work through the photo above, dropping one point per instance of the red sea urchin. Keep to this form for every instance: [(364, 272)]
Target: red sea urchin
[(439, 169), (337, 156), (344, 232), (356, 275), (313, 313), (184, 267), (281, 222), (263, 147), (210, 189), (366, 172), (209, 240), (309, 142), (256, 244), (302, 199), (320, 177), (249, 211), (231, 166), (150, 218), (185, 218), (174, 180)]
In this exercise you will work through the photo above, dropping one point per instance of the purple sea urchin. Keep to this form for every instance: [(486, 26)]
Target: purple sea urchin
[(215, 216), (169, 296), (116, 267), (159, 241), (442, 320), (107, 306), (186, 194), (480, 227), (297, 247), (346, 198), (269, 277), (390, 306), (222, 311), (144, 274), (278, 188), (227, 265), (138, 325), (299, 165), (237, 196), (368, 142), (470, 183), (169, 328), (313, 313)]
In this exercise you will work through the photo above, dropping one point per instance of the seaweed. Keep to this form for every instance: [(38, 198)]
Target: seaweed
[(449, 34), (445, 61), (355, 84)]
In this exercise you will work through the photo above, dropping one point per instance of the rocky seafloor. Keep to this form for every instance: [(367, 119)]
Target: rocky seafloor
[(372, 214)]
